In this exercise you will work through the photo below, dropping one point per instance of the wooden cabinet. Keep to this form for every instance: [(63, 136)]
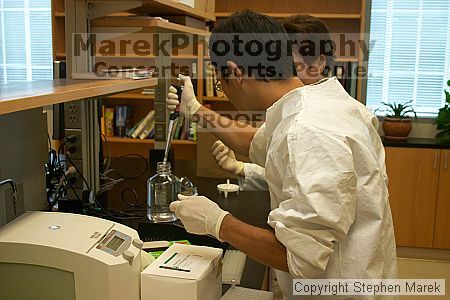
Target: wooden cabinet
[(413, 180), (419, 193), (442, 228)]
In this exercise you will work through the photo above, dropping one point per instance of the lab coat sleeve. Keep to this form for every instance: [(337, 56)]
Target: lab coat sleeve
[(254, 179), (320, 185)]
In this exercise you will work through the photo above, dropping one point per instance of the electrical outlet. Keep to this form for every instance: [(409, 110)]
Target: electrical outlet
[(72, 114), (77, 154)]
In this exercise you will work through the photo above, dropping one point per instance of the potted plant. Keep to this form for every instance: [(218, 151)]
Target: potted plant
[(443, 120), (397, 123)]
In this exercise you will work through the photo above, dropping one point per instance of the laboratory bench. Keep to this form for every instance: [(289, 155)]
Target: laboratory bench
[(250, 207)]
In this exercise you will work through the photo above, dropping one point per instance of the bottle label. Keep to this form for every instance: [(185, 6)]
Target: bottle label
[(160, 196)]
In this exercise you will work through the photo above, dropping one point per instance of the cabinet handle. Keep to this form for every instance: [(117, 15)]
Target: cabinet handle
[(436, 160), (446, 161)]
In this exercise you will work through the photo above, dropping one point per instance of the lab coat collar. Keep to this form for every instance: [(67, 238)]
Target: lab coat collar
[(289, 104)]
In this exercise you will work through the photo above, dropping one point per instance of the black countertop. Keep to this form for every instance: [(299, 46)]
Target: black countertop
[(250, 207), (415, 143)]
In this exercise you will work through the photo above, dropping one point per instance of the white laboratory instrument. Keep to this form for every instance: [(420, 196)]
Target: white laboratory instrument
[(184, 272), (233, 267), (69, 257), (228, 188), (240, 293)]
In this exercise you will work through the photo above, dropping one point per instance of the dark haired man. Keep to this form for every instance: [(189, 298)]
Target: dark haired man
[(330, 211), (313, 65)]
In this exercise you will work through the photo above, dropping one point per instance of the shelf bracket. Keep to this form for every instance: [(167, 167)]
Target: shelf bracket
[(101, 8)]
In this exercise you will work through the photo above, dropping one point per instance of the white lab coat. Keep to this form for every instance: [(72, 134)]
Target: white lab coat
[(324, 164), (254, 178)]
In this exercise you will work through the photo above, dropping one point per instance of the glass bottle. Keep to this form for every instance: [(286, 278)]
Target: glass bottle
[(162, 188)]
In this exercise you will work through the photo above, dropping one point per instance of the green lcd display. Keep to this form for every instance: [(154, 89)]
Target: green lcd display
[(115, 243)]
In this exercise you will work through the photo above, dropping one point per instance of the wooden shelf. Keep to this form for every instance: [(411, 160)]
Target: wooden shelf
[(33, 94), (215, 99), (165, 7), (183, 149), (132, 95), (61, 54), (147, 23), (285, 15), (116, 139), (346, 59), (60, 14)]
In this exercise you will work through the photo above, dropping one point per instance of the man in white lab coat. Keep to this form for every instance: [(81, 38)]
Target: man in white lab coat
[(324, 167), (251, 177)]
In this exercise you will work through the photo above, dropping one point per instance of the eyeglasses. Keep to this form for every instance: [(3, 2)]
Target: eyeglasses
[(218, 85)]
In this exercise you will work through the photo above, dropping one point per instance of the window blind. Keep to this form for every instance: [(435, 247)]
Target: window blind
[(410, 56), (25, 40)]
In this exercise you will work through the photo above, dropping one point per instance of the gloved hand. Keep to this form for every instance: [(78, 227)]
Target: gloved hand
[(226, 159), (199, 215), (189, 104)]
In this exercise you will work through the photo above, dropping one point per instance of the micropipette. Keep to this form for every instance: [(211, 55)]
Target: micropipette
[(173, 116)]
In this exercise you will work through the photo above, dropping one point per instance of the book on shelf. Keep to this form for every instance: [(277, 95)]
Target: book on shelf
[(194, 77), (183, 133), (180, 123), (148, 130), (123, 117), (102, 121), (132, 129), (192, 136), (174, 130), (209, 79), (147, 120), (109, 121)]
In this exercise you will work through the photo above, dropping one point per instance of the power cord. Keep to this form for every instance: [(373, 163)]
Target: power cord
[(132, 155), (136, 203), (59, 163), (103, 212)]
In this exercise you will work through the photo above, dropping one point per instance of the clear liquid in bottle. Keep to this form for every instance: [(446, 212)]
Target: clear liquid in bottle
[(162, 188)]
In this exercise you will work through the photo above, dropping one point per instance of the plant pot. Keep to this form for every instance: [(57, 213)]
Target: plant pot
[(397, 129)]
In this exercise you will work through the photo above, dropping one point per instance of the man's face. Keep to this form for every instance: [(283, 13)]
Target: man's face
[(242, 93)]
